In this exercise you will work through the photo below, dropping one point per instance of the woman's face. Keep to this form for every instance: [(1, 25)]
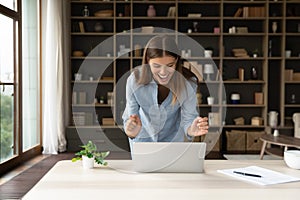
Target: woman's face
[(163, 69)]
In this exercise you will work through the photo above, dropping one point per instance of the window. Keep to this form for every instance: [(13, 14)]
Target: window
[(8, 88), (19, 82), (30, 74)]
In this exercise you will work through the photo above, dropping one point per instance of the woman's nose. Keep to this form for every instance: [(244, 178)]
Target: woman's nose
[(163, 69)]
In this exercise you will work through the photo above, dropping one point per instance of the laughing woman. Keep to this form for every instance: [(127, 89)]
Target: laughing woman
[(161, 103)]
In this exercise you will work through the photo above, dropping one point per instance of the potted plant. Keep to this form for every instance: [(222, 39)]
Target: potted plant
[(89, 154), (255, 53)]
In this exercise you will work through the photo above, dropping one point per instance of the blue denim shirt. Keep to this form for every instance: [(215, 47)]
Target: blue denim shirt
[(164, 122)]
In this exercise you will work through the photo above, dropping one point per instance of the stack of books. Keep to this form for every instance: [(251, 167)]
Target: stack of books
[(253, 11)]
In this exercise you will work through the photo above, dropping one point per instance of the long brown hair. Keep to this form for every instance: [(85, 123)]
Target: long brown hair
[(157, 47)]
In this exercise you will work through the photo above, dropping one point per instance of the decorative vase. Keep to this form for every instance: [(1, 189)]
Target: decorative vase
[(273, 118), (98, 27), (85, 11), (151, 12), (254, 75), (195, 27), (87, 163), (274, 27)]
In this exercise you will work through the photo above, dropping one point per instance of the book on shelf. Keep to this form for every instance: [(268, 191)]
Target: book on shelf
[(82, 98), (79, 98), (245, 11), (253, 11), (79, 118), (75, 27), (88, 118), (238, 12), (74, 98), (82, 118), (108, 121), (81, 27)]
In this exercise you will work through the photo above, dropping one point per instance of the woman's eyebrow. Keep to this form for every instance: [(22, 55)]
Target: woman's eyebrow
[(171, 63)]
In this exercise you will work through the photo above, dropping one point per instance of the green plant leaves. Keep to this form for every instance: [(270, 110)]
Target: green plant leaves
[(90, 150)]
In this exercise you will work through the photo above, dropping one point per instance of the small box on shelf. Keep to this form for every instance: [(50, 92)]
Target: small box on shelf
[(256, 121), (242, 29), (288, 74), (239, 52), (259, 98), (239, 121), (296, 76), (108, 121)]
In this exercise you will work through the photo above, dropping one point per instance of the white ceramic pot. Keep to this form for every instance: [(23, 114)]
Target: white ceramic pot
[(208, 53), (87, 163), (288, 53), (276, 133), (235, 98), (210, 100), (292, 158)]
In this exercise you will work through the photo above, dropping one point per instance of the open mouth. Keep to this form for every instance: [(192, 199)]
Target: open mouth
[(163, 76)]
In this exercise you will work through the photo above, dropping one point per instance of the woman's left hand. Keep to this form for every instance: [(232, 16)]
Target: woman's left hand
[(198, 127)]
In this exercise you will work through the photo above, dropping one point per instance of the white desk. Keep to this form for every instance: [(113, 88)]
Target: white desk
[(67, 180)]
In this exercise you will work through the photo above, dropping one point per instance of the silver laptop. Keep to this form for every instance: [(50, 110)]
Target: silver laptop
[(168, 156)]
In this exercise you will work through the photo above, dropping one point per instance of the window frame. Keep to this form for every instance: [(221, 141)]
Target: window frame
[(20, 155)]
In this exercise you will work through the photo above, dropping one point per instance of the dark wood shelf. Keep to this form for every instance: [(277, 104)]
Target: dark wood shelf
[(214, 14)]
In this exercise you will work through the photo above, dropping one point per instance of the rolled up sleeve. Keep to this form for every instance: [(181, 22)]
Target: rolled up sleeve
[(189, 109), (132, 107)]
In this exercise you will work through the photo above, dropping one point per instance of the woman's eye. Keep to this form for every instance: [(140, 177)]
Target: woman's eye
[(157, 66)]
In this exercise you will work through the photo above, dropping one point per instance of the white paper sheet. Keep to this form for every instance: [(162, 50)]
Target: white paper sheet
[(268, 177)]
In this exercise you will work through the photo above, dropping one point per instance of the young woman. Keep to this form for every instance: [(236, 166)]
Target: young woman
[(161, 103)]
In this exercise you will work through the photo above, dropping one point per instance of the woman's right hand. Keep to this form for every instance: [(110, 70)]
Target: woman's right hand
[(133, 126)]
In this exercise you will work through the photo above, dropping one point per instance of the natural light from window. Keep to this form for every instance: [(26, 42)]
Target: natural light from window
[(30, 74), (11, 4), (6, 88)]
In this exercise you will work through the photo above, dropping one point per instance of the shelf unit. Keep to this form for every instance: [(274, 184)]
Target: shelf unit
[(217, 18), (290, 86)]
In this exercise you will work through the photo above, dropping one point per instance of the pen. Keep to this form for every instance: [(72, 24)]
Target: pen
[(247, 174)]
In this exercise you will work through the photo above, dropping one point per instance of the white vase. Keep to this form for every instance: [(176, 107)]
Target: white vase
[(87, 163)]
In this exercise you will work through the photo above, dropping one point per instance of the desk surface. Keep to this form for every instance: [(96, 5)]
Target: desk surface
[(67, 180)]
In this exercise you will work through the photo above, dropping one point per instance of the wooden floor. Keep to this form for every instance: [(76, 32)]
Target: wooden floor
[(18, 186)]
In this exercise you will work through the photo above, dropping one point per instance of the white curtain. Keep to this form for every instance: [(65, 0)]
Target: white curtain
[(55, 67)]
